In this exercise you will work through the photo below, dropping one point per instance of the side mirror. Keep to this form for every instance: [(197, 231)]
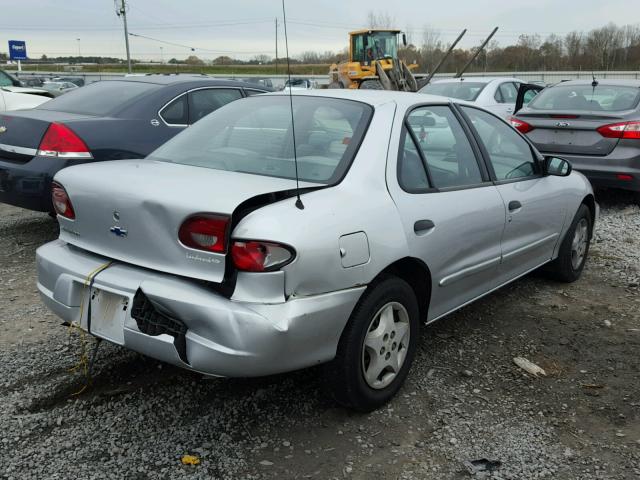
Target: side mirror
[(404, 39), (556, 166)]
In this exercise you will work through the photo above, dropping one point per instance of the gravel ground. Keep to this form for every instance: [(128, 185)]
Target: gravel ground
[(464, 400)]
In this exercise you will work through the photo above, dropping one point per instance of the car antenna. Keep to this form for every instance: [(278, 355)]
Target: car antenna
[(299, 203)]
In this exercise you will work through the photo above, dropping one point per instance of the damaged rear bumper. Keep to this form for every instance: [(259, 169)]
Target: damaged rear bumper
[(220, 336)]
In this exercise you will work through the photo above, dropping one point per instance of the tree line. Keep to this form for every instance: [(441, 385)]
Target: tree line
[(610, 47)]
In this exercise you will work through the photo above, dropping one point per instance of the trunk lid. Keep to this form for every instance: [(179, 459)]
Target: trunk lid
[(149, 200), (23, 131), (571, 132)]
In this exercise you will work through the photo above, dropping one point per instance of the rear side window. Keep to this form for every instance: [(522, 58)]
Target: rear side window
[(254, 136), (411, 173), (176, 113), (203, 102), (602, 98), (462, 90), (510, 156), (445, 147), (99, 98)]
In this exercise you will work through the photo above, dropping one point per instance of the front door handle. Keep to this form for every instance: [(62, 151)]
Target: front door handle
[(514, 205), (423, 226)]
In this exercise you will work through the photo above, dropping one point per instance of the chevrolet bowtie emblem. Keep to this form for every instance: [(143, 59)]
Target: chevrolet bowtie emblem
[(3, 129)]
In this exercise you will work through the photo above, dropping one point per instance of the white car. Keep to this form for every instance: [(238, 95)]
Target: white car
[(497, 94), (10, 100)]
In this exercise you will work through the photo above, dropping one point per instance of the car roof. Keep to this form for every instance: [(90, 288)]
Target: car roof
[(174, 79), (374, 98), (603, 81), (477, 79)]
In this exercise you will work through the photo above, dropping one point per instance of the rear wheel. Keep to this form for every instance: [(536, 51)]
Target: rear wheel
[(371, 85), (574, 249), (377, 346)]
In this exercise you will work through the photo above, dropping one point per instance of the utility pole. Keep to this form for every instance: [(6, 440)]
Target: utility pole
[(78, 40), (276, 45), (123, 11)]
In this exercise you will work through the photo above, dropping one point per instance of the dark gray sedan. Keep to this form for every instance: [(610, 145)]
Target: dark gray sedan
[(110, 120), (593, 124)]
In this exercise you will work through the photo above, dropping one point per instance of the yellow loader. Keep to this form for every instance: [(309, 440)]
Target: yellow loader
[(374, 63)]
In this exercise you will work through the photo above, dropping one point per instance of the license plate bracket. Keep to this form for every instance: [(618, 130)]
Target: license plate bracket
[(108, 312)]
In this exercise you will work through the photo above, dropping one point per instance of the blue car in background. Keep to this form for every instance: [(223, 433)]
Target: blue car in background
[(108, 120)]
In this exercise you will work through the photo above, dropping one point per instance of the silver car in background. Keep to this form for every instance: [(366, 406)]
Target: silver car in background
[(496, 94), (410, 207), (595, 124)]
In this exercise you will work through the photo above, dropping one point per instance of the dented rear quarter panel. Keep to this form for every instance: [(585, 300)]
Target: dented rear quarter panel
[(360, 203)]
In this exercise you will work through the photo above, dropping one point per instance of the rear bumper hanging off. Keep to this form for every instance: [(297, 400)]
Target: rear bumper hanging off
[(184, 323)]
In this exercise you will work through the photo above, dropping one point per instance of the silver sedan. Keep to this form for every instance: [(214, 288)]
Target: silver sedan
[(410, 206)]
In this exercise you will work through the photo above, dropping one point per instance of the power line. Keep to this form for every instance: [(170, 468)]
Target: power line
[(193, 49)]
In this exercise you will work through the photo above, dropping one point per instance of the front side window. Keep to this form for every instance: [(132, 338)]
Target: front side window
[(445, 147), (460, 90), (254, 135), (357, 48), (506, 93), (203, 102), (509, 154)]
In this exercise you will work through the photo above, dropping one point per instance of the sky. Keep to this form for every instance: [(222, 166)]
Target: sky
[(245, 28)]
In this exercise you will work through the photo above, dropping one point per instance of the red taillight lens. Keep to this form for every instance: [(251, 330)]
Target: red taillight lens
[(61, 201), (625, 177), (628, 130), (520, 125), (205, 232), (257, 256), (60, 141)]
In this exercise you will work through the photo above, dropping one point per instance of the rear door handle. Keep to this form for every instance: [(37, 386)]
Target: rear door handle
[(423, 226), (514, 205)]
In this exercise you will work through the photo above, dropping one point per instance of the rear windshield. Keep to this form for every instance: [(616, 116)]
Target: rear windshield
[(254, 135), (602, 98), (460, 90), (99, 98)]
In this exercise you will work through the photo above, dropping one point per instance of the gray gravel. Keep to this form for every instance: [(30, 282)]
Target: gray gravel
[(464, 400)]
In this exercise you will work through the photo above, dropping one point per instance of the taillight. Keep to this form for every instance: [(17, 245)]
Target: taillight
[(628, 130), (258, 256), (520, 125), (61, 201), (205, 232), (60, 141)]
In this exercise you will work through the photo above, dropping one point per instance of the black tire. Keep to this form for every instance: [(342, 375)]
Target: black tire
[(371, 85), (345, 375), (335, 85), (563, 268)]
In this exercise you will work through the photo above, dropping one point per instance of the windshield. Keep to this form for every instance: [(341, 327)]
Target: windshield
[(99, 98), (461, 90), (368, 47), (602, 98), (254, 136)]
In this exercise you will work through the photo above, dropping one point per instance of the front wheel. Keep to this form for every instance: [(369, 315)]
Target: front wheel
[(377, 347), (574, 249), (371, 85)]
